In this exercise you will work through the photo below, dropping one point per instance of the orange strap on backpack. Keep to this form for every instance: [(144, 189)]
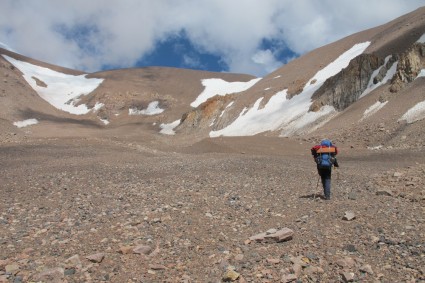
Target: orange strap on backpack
[(326, 149)]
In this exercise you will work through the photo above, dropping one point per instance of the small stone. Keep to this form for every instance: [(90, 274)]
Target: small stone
[(12, 268), (157, 267), (289, 278), (273, 260), (258, 237), (74, 261), (97, 258), (349, 215), (384, 193), (142, 249), (350, 248), (347, 276), (297, 268), (239, 257), (69, 271), (310, 270), (230, 275), (282, 235), (3, 263), (366, 268), (271, 231), (126, 249), (352, 196), (347, 262), (51, 275)]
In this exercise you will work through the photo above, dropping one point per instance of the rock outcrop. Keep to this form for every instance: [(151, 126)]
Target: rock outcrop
[(409, 66), (341, 90), (205, 114)]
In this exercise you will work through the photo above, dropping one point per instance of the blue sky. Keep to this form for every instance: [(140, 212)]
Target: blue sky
[(179, 51), (240, 36)]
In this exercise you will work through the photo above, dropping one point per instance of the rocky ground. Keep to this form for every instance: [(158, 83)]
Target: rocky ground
[(95, 210)]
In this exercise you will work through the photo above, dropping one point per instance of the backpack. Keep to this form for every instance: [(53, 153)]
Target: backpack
[(324, 158)]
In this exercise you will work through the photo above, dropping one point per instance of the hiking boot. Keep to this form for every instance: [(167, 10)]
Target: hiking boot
[(327, 198)]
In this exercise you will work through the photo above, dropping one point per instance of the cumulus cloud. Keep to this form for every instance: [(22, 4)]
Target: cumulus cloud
[(89, 35), (267, 59)]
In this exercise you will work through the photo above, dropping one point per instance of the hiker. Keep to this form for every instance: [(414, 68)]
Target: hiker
[(325, 156)]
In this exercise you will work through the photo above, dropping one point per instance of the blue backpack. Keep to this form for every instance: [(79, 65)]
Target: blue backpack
[(324, 158)]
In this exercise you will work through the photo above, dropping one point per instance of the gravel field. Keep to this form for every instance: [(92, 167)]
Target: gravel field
[(92, 210)]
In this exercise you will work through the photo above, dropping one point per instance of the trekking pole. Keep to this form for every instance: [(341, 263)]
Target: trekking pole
[(314, 193), (337, 173)]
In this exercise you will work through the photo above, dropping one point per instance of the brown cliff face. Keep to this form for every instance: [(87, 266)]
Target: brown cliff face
[(205, 114), (409, 65)]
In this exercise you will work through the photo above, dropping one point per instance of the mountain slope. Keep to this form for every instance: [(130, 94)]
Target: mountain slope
[(391, 62), (146, 97), (343, 87)]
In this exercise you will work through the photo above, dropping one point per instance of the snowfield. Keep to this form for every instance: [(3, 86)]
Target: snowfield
[(25, 123), (373, 109), (152, 109), (289, 115), (61, 90), (221, 87), (415, 113)]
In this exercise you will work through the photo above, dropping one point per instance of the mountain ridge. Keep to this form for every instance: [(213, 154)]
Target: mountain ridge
[(124, 94)]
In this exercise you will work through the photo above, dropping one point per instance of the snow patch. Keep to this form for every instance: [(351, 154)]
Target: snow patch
[(97, 106), (168, 129), (421, 74), (104, 121), (415, 113), (152, 109), (378, 147), (422, 39), (62, 91), (222, 112), (230, 104), (373, 109), (25, 123), (390, 73), (317, 119), (220, 87)]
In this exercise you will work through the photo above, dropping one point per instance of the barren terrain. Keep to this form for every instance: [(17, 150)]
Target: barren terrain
[(96, 209)]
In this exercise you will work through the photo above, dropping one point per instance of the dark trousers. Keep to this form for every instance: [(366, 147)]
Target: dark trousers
[(325, 175)]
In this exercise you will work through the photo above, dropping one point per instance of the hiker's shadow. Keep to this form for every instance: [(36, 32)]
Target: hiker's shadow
[(313, 196)]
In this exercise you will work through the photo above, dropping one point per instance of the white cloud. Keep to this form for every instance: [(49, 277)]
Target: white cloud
[(119, 34), (191, 61), (267, 59)]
